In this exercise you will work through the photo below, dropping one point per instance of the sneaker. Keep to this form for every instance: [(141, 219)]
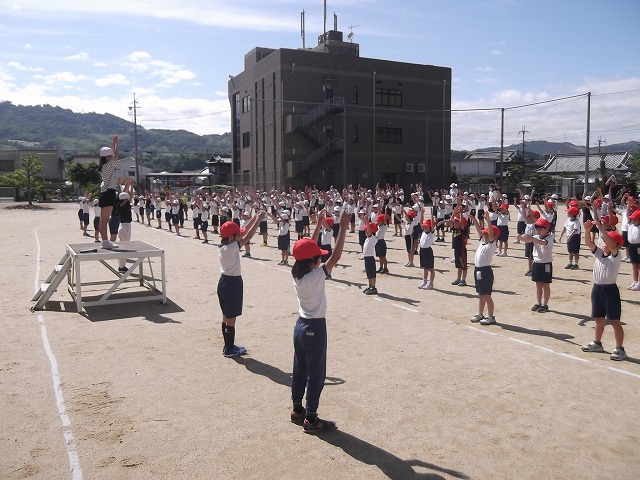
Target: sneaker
[(618, 354), (371, 291), (626, 259), (575, 267), (593, 347), (319, 426), (476, 318), (423, 284), (236, 351), (633, 284), (429, 286), (379, 270), (456, 282), (122, 269), (543, 309), (536, 307), (366, 290), (385, 270), (298, 418), (109, 245), (205, 241), (516, 241), (636, 287), (528, 273), (569, 266), (247, 255), (462, 283), (490, 320), (410, 264), (263, 244)]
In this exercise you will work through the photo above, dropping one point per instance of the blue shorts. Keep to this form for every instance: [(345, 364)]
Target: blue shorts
[(85, 218), (542, 272), (426, 258), (484, 280), (370, 266), (175, 218), (263, 227), (284, 241), (96, 223), (204, 226), (362, 236), (230, 295), (504, 233), (381, 248), (299, 226), (605, 302), (114, 224), (573, 244), (634, 253)]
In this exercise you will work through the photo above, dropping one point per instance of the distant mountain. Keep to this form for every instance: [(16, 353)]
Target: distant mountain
[(44, 126), (541, 148)]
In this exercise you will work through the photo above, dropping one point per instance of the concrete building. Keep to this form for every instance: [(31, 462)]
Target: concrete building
[(327, 116)]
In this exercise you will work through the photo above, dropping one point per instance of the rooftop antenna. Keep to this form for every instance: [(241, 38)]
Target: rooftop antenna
[(324, 31), (302, 29), (350, 35), (335, 22)]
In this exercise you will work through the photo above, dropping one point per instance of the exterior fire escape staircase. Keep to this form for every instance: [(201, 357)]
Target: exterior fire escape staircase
[(325, 145)]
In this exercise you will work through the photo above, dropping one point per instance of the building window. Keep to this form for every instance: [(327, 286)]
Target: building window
[(388, 135), (355, 95), (246, 104), (355, 134), (388, 97), (246, 139)]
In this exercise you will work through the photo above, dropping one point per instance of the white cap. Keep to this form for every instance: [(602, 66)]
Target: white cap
[(123, 196), (554, 196), (176, 202), (527, 197), (504, 195), (284, 216), (95, 201), (587, 198), (106, 151)]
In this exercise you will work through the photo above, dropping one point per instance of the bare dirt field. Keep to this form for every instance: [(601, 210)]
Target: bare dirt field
[(141, 391)]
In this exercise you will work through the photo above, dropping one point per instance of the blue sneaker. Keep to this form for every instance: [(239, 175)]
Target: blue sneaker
[(236, 351)]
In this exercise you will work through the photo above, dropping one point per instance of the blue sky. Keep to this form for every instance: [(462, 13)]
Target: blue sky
[(91, 56)]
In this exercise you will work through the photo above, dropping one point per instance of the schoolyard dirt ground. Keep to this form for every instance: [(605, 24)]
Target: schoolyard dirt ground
[(141, 391)]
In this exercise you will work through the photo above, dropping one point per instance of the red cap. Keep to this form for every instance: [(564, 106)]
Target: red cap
[(617, 237), (542, 222), (635, 215), (373, 227), (411, 213), (536, 213), (230, 228), (427, 223), (573, 211), (573, 203), (550, 204), (496, 231), (306, 248), (381, 218), (329, 221), (612, 219)]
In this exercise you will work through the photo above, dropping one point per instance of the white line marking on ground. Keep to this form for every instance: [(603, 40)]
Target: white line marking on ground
[(74, 460), (549, 350), (405, 308)]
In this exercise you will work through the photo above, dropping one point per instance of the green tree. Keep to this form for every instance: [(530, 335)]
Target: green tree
[(83, 173), (28, 177)]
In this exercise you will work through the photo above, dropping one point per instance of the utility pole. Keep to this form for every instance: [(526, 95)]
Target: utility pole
[(134, 108), (602, 155), (522, 132)]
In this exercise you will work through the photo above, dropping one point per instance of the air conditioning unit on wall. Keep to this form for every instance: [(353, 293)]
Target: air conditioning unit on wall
[(408, 167), (421, 168)]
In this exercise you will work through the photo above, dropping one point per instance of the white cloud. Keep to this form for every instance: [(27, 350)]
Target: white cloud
[(27, 46), (18, 66), (496, 52), (113, 79), (62, 79), (78, 56)]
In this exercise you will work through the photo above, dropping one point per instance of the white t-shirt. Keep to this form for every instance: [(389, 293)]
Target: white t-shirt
[(572, 227), (230, 259), (369, 247), (484, 254), (606, 268), (427, 239), (543, 253), (309, 289)]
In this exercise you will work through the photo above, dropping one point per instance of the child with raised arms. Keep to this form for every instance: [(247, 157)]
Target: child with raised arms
[(483, 272), (310, 332)]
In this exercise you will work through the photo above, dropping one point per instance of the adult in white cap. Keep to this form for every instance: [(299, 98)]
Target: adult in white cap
[(108, 198)]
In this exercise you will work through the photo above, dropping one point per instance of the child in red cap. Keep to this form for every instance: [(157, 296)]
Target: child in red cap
[(482, 272), (310, 332), (459, 239), (381, 246), (426, 255), (605, 295), (368, 254), (230, 285), (633, 238), (542, 271), (573, 229), (410, 220)]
